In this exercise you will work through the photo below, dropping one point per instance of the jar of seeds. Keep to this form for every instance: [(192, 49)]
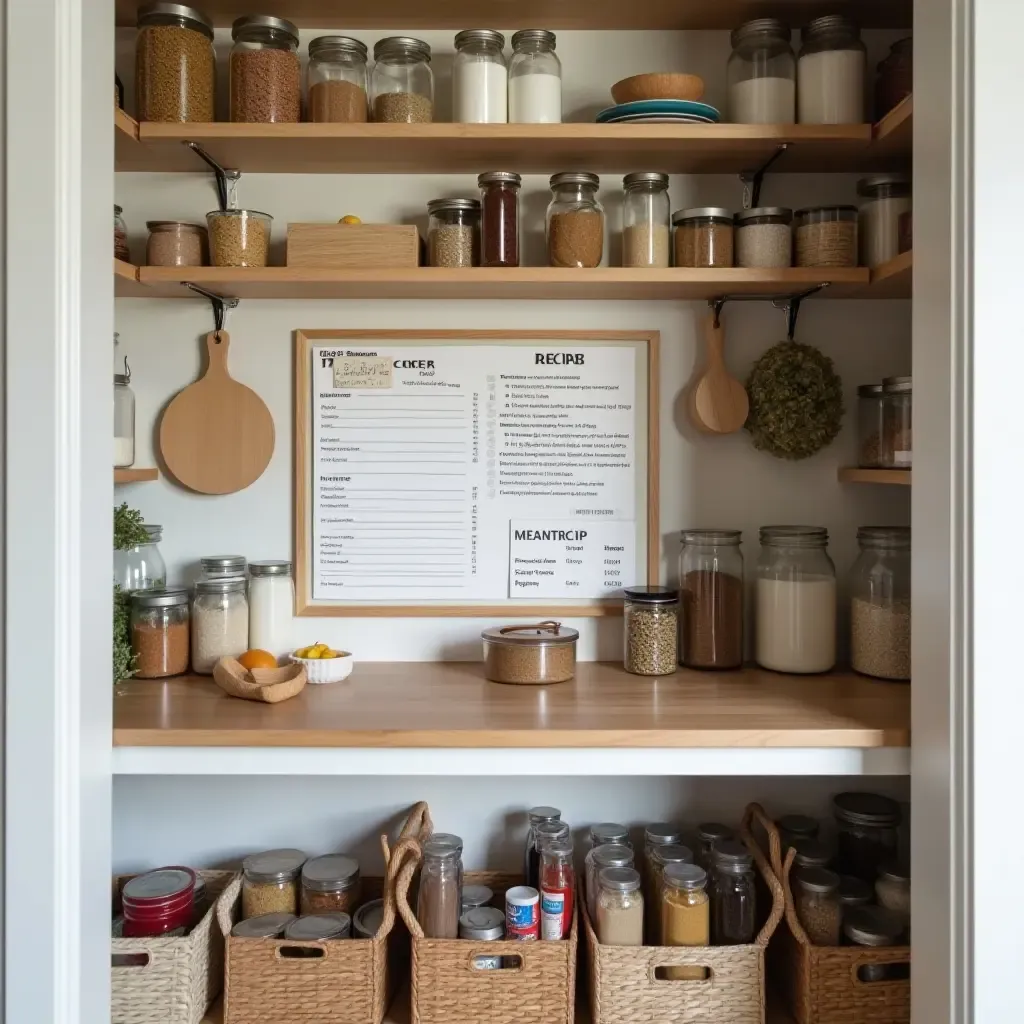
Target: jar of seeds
[(703, 237), (816, 895), (651, 623), (540, 653), (402, 83), (869, 426), (270, 882), (575, 221), (337, 81), (825, 236), (266, 77), (453, 237), (880, 603), (764, 237), (239, 238)]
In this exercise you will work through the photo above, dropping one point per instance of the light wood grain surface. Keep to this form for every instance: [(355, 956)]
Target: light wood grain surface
[(894, 134), (893, 279), (136, 475), (856, 475)]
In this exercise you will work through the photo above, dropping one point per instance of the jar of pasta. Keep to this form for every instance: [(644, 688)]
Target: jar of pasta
[(266, 77), (175, 67)]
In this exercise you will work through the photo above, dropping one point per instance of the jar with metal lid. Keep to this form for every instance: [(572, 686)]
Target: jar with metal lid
[(711, 589), (880, 603), (662, 857), (479, 78), (825, 236), (265, 926), (175, 243), (886, 198), (239, 238), (159, 631), (476, 896), (402, 83), (216, 567), (439, 902), (867, 835), (764, 237), (366, 921), (608, 832), (158, 903), (557, 889), (575, 220), (870, 425), (853, 893), (895, 80), (796, 826), (796, 600), (329, 884), (121, 250), (651, 630), (220, 622), (709, 835), (684, 918), (531, 858), (124, 418), (453, 235), (175, 66), (898, 432), (270, 882), (483, 924), (337, 85), (319, 927), (703, 237), (611, 855), (892, 887), (816, 899), (620, 908), (656, 835), (733, 895), (810, 853), (875, 927), (142, 567), (266, 76), (271, 606), (499, 221), (541, 653), (762, 74), (534, 78), (645, 220), (831, 72)]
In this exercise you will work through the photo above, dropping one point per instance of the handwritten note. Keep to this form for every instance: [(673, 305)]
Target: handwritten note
[(362, 372)]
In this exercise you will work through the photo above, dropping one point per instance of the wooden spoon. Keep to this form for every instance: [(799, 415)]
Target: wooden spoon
[(720, 403), (217, 436)]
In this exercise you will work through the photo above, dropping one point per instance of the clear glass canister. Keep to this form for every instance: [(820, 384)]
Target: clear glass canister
[(216, 567), (121, 250), (685, 918), (575, 220), (880, 603), (711, 599), (239, 238), (853, 893), (159, 631), (651, 630), (796, 826), (439, 902), (661, 858), (543, 833), (611, 855), (825, 236), (544, 652), (897, 415), (869, 425), (608, 832), (703, 237), (764, 237), (656, 835), (220, 622), (709, 835), (733, 895), (796, 600), (810, 853), (453, 235), (142, 567), (534, 79), (645, 220), (271, 607), (402, 84), (337, 82), (499, 218), (124, 419), (867, 833), (174, 243), (831, 72), (762, 74), (270, 882), (895, 80), (816, 895), (531, 858), (265, 72), (875, 927), (620, 908), (330, 884), (479, 78), (175, 66), (886, 198), (892, 887)]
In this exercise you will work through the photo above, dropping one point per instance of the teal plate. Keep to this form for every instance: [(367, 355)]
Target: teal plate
[(658, 107)]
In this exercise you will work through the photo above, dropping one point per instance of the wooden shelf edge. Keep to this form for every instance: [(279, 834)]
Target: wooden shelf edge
[(126, 125), (899, 119), (855, 475), (135, 475)]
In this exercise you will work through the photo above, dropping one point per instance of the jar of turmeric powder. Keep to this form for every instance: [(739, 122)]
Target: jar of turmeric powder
[(685, 914)]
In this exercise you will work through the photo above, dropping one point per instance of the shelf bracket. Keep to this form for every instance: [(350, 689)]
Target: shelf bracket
[(789, 303), (223, 176), (219, 302), (752, 180)]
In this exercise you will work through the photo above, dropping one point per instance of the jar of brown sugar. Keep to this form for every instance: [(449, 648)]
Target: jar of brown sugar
[(541, 653), (330, 884), (575, 221), (266, 78), (711, 590), (270, 882), (703, 237), (337, 81), (159, 629), (174, 243)]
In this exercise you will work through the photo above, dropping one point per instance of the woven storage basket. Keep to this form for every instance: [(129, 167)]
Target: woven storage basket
[(341, 981), (170, 981), (624, 990)]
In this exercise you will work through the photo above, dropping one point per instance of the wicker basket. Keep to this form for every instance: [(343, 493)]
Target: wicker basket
[(169, 981), (624, 989)]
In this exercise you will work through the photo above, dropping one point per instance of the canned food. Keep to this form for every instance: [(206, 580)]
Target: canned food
[(522, 913)]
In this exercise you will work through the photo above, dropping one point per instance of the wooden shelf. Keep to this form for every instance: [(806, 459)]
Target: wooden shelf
[(854, 475), (894, 279), (126, 282), (894, 134), (135, 475)]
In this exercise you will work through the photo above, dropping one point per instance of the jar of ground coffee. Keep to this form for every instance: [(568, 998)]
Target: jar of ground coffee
[(711, 595), (499, 223)]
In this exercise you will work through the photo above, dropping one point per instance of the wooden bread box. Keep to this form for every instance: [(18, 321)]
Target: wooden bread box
[(372, 246)]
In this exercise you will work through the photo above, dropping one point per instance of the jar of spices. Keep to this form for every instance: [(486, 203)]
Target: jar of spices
[(483, 924), (540, 653), (545, 833), (611, 855), (534, 79), (266, 926), (158, 903), (886, 199), (711, 591), (216, 567), (124, 418), (895, 80), (479, 78), (662, 858), (531, 858), (645, 220), (880, 603), (608, 832), (867, 833), (869, 426), (703, 237), (402, 83), (892, 887), (656, 835), (175, 66), (733, 895), (762, 74), (620, 908), (239, 238), (330, 884), (810, 853), (159, 630), (220, 622), (875, 927), (796, 826), (121, 251), (575, 221), (271, 606), (796, 600), (831, 72), (557, 889), (270, 882), (337, 81), (439, 905), (266, 76), (685, 915), (651, 626), (853, 893), (709, 835), (897, 414), (173, 243), (454, 233), (816, 896), (499, 218), (319, 927), (764, 237), (825, 236), (142, 567)]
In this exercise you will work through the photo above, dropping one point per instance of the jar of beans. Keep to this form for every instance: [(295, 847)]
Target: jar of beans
[(499, 225), (239, 238), (402, 83), (174, 243), (645, 217), (825, 236), (703, 237), (270, 882), (575, 220), (330, 884), (764, 237), (266, 78), (453, 235), (159, 631), (816, 896), (651, 622), (337, 80)]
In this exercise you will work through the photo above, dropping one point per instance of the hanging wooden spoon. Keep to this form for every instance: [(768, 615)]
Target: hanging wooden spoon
[(217, 436), (720, 403)]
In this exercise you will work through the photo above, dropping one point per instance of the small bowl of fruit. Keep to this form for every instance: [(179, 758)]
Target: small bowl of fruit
[(323, 664)]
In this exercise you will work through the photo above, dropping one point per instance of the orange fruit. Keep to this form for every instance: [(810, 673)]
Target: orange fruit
[(257, 659)]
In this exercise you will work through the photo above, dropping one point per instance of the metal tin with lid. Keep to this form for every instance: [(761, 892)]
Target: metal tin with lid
[(499, 178), (270, 567), (159, 598), (366, 921), (264, 926), (273, 865), (482, 924), (544, 652), (221, 566), (158, 902), (158, 12), (319, 927)]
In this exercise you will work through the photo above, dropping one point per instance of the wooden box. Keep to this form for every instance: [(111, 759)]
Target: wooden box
[(372, 246)]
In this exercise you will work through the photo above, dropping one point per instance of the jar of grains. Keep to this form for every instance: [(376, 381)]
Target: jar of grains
[(159, 630), (897, 416), (215, 567), (403, 82), (220, 622), (645, 220), (764, 237), (121, 250), (531, 856), (892, 887), (124, 418), (867, 833), (541, 653), (895, 80), (499, 218), (239, 238), (685, 916), (796, 826), (875, 927), (831, 72), (825, 236), (703, 237), (816, 895), (575, 221), (173, 243), (886, 199), (711, 598), (733, 895), (880, 603), (534, 78), (709, 835), (651, 627), (271, 606), (611, 855), (662, 858), (337, 81), (330, 883), (453, 235), (439, 902), (142, 567), (266, 77), (620, 908), (270, 882), (479, 78), (796, 600), (175, 66), (869, 425), (762, 74)]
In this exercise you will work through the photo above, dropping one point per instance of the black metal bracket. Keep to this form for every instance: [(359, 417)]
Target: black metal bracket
[(219, 302), (790, 304), (223, 176), (752, 180)]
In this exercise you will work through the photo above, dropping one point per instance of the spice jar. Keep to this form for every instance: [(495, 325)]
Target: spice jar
[(895, 80), (645, 220), (620, 908), (575, 220), (124, 418), (159, 629), (557, 889), (366, 921), (656, 835), (880, 603), (531, 857), (330, 884), (662, 858), (453, 234), (611, 855), (216, 567), (220, 622), (816, 896), (867, 833), (175, 66), (239, 238), (892, 888), (869, 425), (479, 78), (483, 924), (142, 567), (830, 72), (897, 414), (796, 600), (270, 882), (651, 627), (271, 606), (709, 835), (545, 833), (762, 74), (685, 918), (266, 77), (733, 895), (810, 853), (173, 243), (886, 198), (121, 251), (541, 653), (875, 927), (711, 592), (158, 903), (534, 79), (703, 237), (499, 220), (439, 905), (796, 826), (825, 236), (608, 832), (764, 237), (853, 893), (402, 82), (266, 926), (319, 927), (337, 81)]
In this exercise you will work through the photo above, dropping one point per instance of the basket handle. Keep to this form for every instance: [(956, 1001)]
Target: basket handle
[(755, 812), (417, 825), (791, 917), (226, 903), (411, 857)]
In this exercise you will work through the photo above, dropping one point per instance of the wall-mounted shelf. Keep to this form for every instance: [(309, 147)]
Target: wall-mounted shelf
[(854, 475), (126, 282), (135, 475), (894, 279), (894, 134)]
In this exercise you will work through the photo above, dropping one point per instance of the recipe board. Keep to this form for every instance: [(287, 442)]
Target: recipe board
[(469, 472)]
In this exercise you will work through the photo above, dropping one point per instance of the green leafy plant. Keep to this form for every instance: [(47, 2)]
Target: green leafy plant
[(124, 660), (129, 528)]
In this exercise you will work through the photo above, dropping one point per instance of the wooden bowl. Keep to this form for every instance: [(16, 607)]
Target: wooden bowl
[(660, 85), (270, 685)]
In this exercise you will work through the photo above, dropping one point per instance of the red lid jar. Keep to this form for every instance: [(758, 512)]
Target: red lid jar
[(158, 902)]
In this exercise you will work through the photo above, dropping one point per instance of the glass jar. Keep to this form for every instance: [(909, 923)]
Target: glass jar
[(271, 606), (534, 79), (645, 220), (709, 835), (121, 250), (124, 419), (439, 904), (895, 80), (476, 896), (366, 921), (499, 220), (711, 590), (796, 826), (175, 66), (816, 896), (620, 908), (239, 238), (651, 630), (330, 884), (265, 72), (557, 889), (159, 631), (733, 895), (611, 855), (544, 833), (703, 237), (319, 928), (831, 72), (479, 78), (764, 237), (531, 858), (867, 835), (810, 853), (853, 893), (173, 243), (337, 81), (402, 82), (685, 918), (543, 652), (875, 927), (217, 567), (656, 835), (270, 882), (142, 567), (886, 198), (266, 926), (158, 903), (897, 414), (796, 600), (662, 858), (892, 887), (880, 603), (575, 221), (453, 236), (220, 622), (762, 74), (608, 832), (825, 236), (869, 426)]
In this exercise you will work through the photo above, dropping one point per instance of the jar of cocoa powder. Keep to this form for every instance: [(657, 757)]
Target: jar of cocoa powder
[(159, 629), (711, 592)]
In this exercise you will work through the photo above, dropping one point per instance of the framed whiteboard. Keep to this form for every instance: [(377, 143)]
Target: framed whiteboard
[(474, 473)]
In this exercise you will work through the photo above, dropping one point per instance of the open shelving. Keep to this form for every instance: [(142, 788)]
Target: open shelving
[(894, 278), (135, 475), (856, 475)]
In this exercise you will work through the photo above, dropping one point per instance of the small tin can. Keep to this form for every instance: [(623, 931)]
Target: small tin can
[(158, 902), (483, 924), (318, 927), (475, 896), (368, 919), (522, 913), (265, 926)]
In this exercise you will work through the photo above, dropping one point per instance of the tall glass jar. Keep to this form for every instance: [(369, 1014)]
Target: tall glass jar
[(124, 419), (337, 83), (645, 220), (886, 198), (651, 628), (215, 567), (685, 918), (611, 855), (796, 600), (271, 606), (656, 835), (733, 895), (816, 895), (895, 80), (620, 908), (499, 218), (159, 631), (608, 832), (266, 76), (142, 567), (869, 425), (880, 603), (709, 835), (867, 833), (402, 83), (453, 233), (557, 889), (439, 903), (831, 72), (575, 221), (810, 853), (121, 250), (762, 74), (534, 79), (711, 590), (220, 622), (898, 418), (703, 236), (479, 78), (661, 859), (531, 858)]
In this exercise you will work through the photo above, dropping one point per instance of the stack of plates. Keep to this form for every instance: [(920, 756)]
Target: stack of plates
[(659, 112)]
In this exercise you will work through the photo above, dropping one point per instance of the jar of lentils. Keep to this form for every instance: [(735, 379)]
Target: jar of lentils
[(575, 220), (645, 220), (266, 78), (337, 81), (270, 882), (453, 236), (825, 236), (764, 237), (403, 82), (703, 237), (651, 623)]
